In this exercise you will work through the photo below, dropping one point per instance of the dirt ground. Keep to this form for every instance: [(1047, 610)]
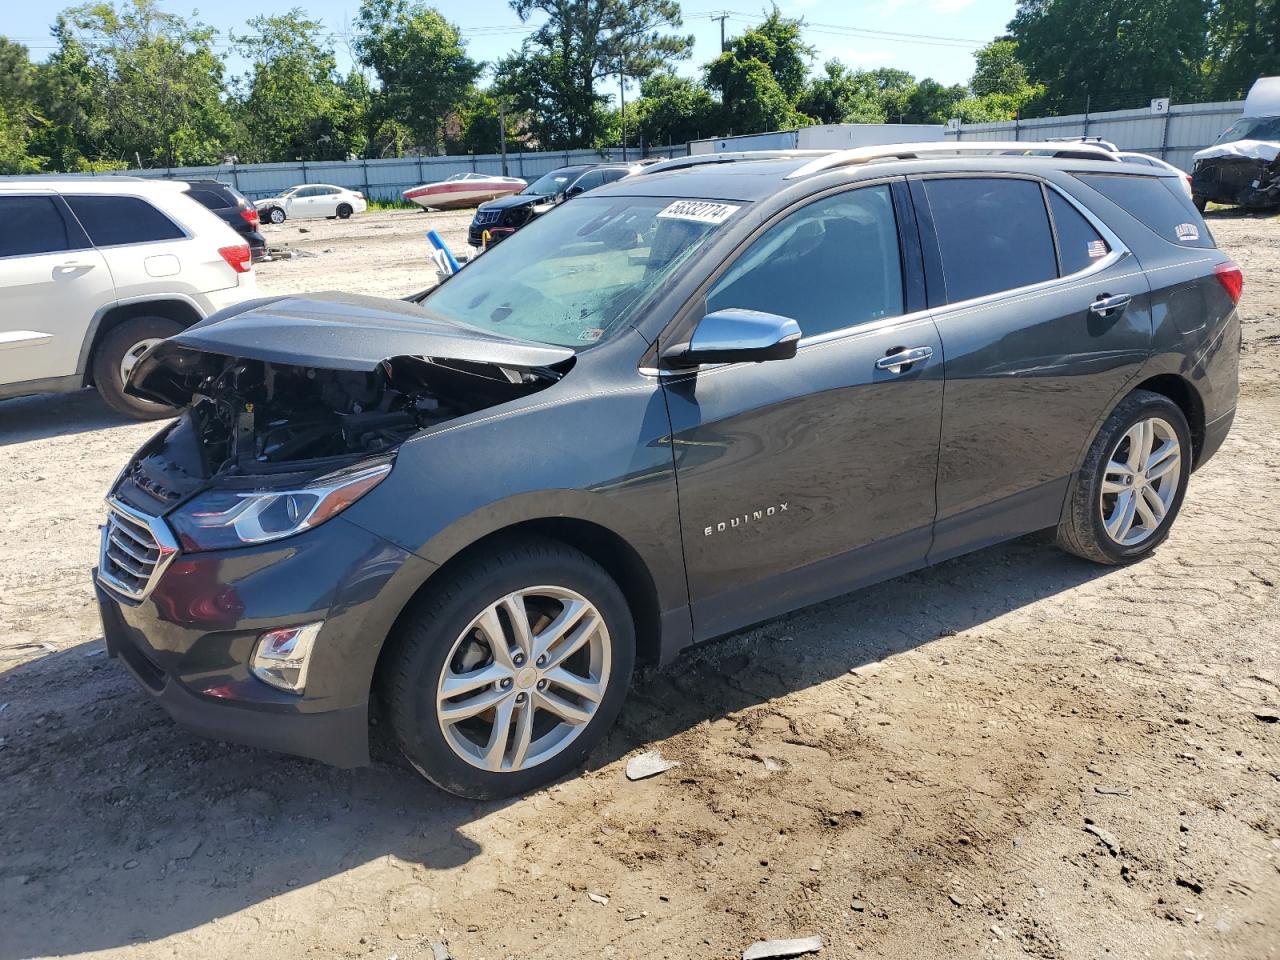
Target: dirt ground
[(1013, 754)]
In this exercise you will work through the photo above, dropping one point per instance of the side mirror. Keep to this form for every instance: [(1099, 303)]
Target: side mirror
[(573, 192), (736, 336)]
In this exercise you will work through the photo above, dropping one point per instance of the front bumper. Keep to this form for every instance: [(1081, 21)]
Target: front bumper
[(189, 641), (475, 234)]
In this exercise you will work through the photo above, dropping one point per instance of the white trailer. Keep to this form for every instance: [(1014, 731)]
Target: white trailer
[(831, 136)]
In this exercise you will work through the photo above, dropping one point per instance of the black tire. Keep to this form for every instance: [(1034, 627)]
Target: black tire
[(1082, 530), (1200, 203), (425, 639), (275, 215), (109, 355), (344, 211)]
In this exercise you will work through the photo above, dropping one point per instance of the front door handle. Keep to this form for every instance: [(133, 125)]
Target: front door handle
[(1106, 304), (900, 358)]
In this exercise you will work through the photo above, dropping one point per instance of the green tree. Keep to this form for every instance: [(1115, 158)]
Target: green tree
[(761, 75), (997, 69), (292, 103), (1112, 53), (142, 83), (421, 61), (579, 43), (1244, 44), (18, 111), (673, 109), (931, 102), (839, 95)]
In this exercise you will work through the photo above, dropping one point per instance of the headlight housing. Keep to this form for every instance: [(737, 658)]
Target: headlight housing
[(221, 519)]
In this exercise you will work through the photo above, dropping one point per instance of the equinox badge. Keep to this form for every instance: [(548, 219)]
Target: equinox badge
[(744, 519)]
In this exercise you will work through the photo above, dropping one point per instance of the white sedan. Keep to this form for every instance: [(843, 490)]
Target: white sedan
[(309, 201)]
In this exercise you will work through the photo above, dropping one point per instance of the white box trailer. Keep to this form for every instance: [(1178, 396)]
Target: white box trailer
[(831, 136)]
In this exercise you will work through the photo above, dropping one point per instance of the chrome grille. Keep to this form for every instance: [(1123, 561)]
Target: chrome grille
[(485, 217), (135, 551)]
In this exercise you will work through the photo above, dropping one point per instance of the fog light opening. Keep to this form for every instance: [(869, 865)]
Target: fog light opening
[(281, 657)]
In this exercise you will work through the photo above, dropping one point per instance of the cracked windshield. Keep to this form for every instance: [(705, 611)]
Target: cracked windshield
[(577, 276)]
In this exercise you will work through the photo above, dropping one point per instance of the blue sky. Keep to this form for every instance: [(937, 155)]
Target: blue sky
[(862, 33)]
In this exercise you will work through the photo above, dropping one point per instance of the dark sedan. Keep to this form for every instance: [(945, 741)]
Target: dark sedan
[(498, 219)]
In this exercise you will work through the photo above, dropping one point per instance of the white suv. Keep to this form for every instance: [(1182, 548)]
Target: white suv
[(93, 272), (310, 201)]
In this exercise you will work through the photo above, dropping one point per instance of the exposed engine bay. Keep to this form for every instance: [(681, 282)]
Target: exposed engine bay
[(247, 418)]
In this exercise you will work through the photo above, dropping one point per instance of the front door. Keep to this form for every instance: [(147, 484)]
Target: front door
[(51, 284), (801, 479)]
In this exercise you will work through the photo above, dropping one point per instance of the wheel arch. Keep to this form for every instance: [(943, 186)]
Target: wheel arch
[(1187, 398), (605, 546), (171, 307)]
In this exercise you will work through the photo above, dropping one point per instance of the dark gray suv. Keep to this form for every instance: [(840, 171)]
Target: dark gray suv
[(677, 406)]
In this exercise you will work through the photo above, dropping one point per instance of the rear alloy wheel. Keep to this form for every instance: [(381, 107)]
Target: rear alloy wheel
[(511, 672), (117, 354), (344, 211), (1124, 500)]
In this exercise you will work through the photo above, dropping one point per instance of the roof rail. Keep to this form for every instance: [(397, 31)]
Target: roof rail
[(728, 156), (917, 151)]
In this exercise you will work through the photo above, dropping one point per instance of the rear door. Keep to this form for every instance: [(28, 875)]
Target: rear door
[(144, 248), (800, 479), (1021, 277), (52, 282)]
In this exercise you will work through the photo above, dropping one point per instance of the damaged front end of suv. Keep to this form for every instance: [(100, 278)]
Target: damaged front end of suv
[(281, 396)]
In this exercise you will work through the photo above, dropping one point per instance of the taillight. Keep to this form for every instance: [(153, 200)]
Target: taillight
[(359, 194), (1231, 278), (239, 258), (250, 217)]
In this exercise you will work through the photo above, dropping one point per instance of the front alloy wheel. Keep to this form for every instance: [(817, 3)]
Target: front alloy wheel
[(524, 679), (509, 669)]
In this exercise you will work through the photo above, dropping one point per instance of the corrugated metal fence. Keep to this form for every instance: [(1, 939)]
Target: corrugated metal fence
[(384, 179), (1173, 136)]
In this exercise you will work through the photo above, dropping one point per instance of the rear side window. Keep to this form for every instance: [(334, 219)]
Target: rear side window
[(589, 181), (993, 234), (1079, 244), (1165, 210), (33, 225), (110, 220)]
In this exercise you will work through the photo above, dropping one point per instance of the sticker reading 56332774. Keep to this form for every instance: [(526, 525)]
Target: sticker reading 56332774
[(699, 211)]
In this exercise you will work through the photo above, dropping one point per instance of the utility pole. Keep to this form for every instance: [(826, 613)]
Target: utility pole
[(722, 17), (622, 100), (502, 133)]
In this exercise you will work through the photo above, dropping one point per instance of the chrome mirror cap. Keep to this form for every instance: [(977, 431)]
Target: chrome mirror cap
[(736, 336)]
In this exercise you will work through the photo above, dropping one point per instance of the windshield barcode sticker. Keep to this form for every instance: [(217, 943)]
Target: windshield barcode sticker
[(700, 211)]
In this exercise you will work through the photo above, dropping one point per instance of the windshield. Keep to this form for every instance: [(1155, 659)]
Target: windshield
[(1252, 128), (575, 276), (549, 184)]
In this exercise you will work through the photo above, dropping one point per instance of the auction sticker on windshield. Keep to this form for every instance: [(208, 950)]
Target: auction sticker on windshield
[(699, 211)]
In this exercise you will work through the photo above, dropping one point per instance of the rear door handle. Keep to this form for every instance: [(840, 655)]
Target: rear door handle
[(1106, 305), (900, 358)]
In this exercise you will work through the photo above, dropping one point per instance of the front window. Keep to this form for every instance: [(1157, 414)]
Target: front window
[(1252, 128), (550, 184), (579, 274)]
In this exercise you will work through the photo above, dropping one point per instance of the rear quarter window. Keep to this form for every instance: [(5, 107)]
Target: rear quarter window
[(111, 221), (210, 199), (1158, 202)]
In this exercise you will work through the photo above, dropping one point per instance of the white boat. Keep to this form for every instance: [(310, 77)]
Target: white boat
[(463, 190)]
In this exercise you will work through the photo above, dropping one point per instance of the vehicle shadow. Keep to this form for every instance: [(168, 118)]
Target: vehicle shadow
[(122, 829), (48, 415)]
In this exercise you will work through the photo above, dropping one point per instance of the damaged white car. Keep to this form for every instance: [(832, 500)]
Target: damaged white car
[(1243, 167)]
